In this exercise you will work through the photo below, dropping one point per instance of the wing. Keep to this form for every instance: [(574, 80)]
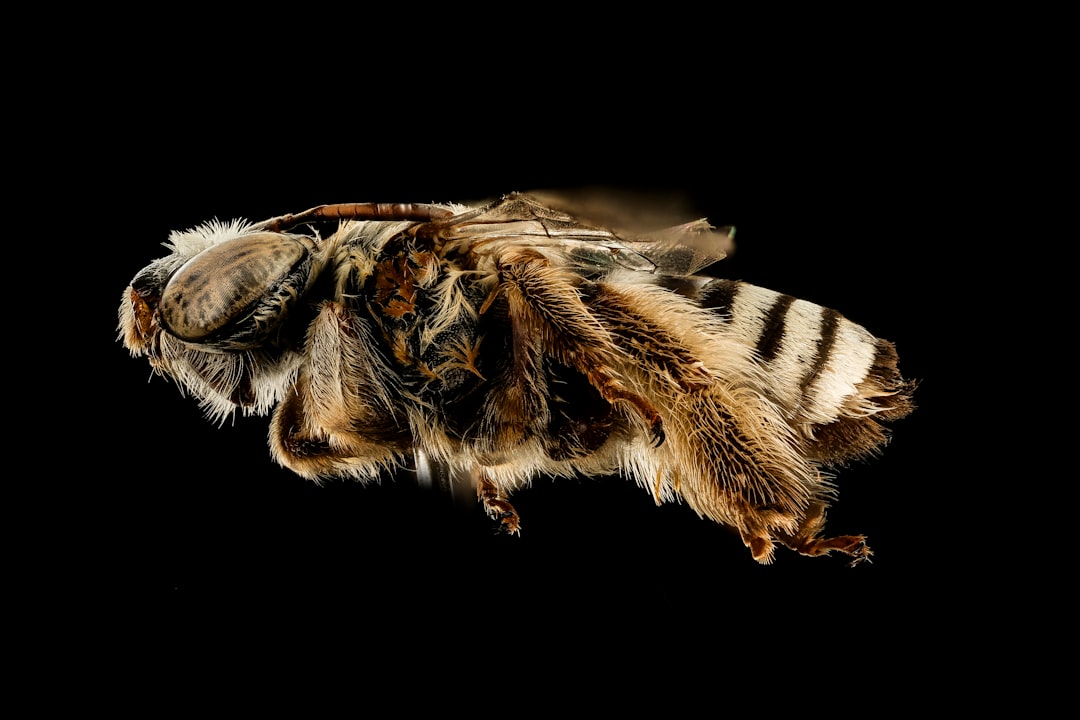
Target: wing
[(679, 250)]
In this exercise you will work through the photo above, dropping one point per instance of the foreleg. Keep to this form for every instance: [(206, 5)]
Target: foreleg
[(496, 504)]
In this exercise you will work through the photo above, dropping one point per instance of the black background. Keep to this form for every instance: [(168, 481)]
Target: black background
[(829, 190)]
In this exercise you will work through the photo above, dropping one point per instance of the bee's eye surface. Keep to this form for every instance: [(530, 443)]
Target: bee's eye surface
[(221, 285)]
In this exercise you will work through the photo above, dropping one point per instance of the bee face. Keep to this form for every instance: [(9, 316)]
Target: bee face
[(490, 345)]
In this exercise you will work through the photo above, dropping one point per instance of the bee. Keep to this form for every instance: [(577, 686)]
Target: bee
[(491, 345)]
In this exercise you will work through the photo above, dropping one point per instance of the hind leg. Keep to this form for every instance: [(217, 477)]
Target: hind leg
[(807, 540)]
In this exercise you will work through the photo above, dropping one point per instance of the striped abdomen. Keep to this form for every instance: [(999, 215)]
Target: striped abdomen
[(834, 379)]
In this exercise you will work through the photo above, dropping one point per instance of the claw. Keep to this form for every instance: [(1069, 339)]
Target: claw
[(504, 512), (510, 523), (861, 554), (657, 433)]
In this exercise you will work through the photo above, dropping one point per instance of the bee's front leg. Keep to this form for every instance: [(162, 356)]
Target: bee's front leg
[(497, 506)]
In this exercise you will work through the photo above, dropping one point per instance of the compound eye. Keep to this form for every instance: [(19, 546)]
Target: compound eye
[(225, 284)]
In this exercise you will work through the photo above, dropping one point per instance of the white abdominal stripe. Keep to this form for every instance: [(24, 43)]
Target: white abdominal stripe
[(822, 368)]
